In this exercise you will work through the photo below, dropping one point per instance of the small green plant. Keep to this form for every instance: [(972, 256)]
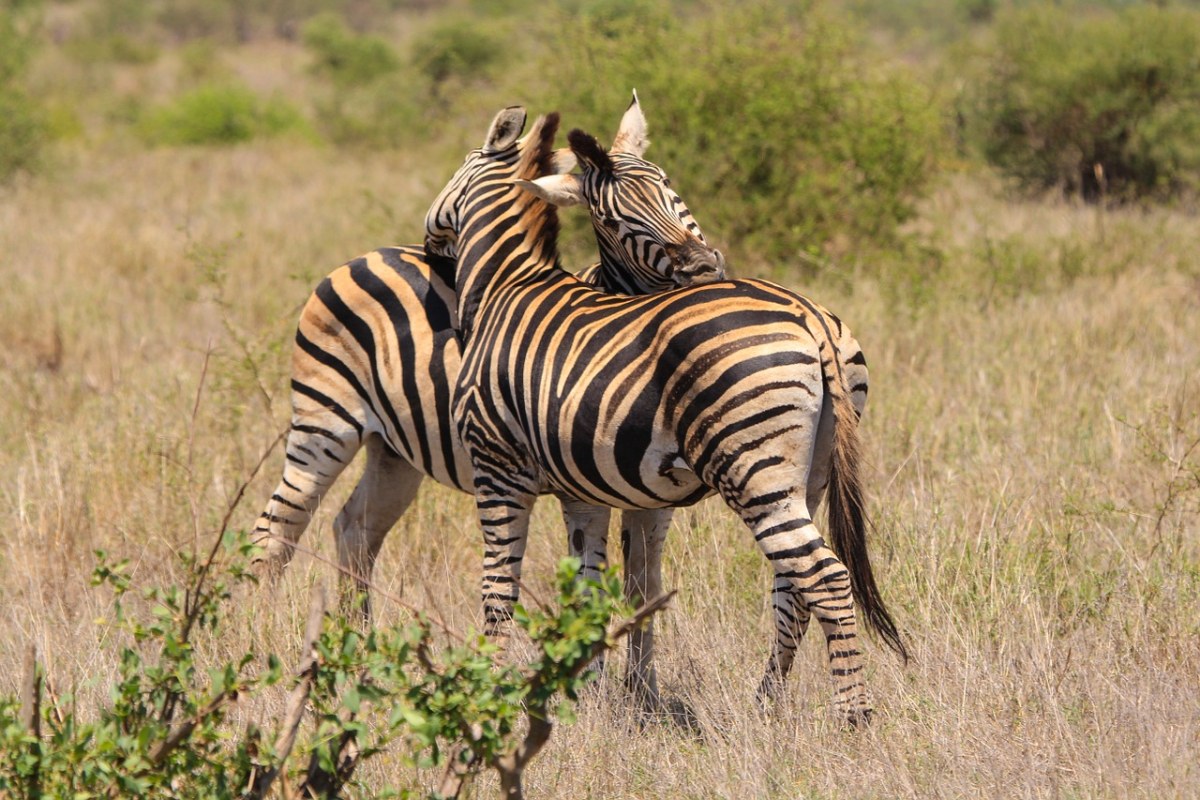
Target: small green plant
[(1097, 105), (220, 114)]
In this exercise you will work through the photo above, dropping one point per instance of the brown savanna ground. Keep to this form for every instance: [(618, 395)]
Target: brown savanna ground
[(1034, 469)]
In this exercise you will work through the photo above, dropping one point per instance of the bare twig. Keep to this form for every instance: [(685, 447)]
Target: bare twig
[(192, 607), (459, 772), (512, 766), (319, 782), (191, 597), (196, 405), (181, 731), (375, 589), (294, 710), (31, 715)]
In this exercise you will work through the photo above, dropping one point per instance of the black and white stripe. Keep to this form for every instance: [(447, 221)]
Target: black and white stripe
[(375, 359), (733, 387)]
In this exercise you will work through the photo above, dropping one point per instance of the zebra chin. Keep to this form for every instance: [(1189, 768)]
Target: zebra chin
[(696, 265)]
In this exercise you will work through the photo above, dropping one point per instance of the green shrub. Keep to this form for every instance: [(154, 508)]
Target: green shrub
[(1094, 104), (22, 125), (220, 114), (456, 49), (372, 100), (165, 733), (117, 31), (345, 57), (385, 113), (783, 144), (22, 130)]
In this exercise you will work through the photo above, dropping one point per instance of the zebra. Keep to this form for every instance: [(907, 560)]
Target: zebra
[(728, 387), (375, 358)]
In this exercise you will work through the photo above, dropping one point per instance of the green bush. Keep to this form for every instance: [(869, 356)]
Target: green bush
[(165, 732), (22, 130), (456, 48), (118, 31), (22, 126), (782, 142), (371, 99), (1093, 104), (220, 114), (345, 57)]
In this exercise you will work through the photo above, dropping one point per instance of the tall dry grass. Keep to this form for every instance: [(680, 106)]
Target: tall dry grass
[(1034, 471)]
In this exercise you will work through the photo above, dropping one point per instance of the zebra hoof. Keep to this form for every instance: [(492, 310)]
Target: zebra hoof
[(266, 570), (857, 718)]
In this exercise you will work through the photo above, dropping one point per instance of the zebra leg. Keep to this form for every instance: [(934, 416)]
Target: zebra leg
[(315, 456), (587, 540), (822, 459), (791, 621), (643, 534), (818, 580), (387, 487), (504, 517)]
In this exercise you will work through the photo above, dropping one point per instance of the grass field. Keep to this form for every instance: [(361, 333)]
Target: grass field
[(1033, 435)]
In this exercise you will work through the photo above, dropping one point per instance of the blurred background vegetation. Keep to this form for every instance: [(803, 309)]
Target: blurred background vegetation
[(802, 132), (998, 196)]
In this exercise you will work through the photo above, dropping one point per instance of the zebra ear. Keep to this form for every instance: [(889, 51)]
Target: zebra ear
[(562, 161), (557, 190), (591, 155), (505, 130), (631, 136)]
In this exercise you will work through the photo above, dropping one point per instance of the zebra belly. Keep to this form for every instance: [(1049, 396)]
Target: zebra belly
[(625, 471)]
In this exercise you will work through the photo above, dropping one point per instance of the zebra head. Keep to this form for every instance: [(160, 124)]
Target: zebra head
[(648, 239), (481, 208), (504, 157)]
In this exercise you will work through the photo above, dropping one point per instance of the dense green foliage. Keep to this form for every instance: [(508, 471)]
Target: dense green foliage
[(1094, 104), (166, 733), (783, 137), (220, 114), (791, 133), (21, 123), (457, 48)]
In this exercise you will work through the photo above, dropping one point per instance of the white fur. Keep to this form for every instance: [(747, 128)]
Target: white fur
[(631, 135), (558, 190)]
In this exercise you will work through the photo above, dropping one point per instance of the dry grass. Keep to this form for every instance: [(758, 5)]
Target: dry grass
[(1033, 403)]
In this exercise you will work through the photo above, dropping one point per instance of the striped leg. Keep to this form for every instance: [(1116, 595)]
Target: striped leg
[(587, 539), (587, 529), (815, 578), (505, 521), (316, 454), (791, 621), (643, 534), (387, 487)]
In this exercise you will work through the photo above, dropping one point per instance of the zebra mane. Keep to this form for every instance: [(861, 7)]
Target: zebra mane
[(585, 146), (537, 149), (538, 158)]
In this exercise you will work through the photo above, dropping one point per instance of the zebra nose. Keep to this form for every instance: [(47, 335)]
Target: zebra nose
[(697, 264)]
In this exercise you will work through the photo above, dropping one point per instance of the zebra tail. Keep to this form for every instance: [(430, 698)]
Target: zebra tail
[(847, 512)]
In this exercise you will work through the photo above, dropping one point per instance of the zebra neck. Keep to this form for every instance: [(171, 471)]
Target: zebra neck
[(614, 276), (496, 252)]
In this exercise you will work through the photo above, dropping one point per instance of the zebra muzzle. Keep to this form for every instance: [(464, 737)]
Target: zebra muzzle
[(694, 264)]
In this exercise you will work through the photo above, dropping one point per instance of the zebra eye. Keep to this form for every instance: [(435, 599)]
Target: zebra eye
[(610, 223)]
